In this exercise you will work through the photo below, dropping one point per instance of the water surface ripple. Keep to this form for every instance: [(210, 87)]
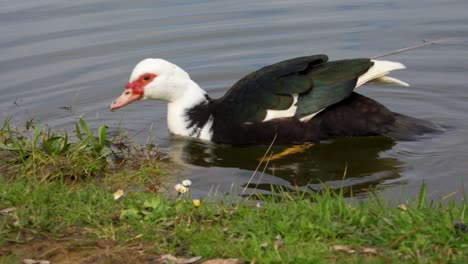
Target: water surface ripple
[(60, 60)]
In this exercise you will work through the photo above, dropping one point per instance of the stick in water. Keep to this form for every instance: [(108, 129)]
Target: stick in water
[(424, 44)]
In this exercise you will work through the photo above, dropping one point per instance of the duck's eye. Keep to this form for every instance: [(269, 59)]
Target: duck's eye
[(127, 92), (146, 78)]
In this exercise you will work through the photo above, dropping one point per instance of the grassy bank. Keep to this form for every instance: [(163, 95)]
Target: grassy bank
[(57, 203)]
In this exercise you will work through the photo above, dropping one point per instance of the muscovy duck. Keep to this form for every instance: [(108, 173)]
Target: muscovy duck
[(305, 99)]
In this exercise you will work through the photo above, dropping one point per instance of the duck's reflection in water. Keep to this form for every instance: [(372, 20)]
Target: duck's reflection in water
[(359, 164)]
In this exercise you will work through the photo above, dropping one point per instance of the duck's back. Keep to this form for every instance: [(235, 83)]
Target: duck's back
[(356, 116)]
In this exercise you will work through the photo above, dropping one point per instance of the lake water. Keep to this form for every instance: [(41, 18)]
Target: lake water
[(60, 60)]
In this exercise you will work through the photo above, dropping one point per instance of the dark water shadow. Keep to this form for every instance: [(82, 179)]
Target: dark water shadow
[(356, 163)]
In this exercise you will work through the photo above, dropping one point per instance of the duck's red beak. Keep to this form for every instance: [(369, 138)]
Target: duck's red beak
[(126, 98)]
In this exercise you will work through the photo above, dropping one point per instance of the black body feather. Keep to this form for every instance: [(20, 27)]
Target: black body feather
[(322, 87)]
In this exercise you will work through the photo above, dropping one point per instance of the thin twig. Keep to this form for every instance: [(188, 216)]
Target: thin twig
[(424, 44), (259, 164), (409, 233), (45, 254), (448, 196), (261, 175), (386, 220)]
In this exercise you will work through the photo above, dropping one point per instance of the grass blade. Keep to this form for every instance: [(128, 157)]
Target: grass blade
[(85, 127), (422, 195), (102, 135), (78, 132), (35, 136)]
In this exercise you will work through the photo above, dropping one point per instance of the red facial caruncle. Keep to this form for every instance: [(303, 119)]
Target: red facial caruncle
[(138, 85), (133, 91)]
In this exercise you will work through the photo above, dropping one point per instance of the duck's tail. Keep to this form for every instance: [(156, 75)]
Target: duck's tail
[(410, 128), (377, 73)]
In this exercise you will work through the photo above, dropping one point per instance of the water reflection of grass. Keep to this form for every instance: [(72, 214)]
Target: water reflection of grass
[(58, 193)]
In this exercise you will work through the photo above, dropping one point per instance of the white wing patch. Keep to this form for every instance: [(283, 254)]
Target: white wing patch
[(291, 111), (309, 117), (377, 74)]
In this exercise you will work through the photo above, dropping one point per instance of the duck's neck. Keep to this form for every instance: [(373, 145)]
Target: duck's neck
[(178, 118)]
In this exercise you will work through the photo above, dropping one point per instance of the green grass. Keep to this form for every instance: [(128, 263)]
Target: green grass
[(46, 155), (295, 230), (49, 155), (317, 228)]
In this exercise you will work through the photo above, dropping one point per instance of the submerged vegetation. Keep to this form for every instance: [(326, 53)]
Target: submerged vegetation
[(57, 203)]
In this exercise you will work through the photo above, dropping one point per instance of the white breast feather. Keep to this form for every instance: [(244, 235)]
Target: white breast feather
[(207, 130)]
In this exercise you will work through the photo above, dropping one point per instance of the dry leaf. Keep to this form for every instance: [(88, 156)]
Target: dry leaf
[(402, 207), (370, 251), (7, 210), (168, 258), (278, 241), (342, 248), (224, 261), (33, 261)]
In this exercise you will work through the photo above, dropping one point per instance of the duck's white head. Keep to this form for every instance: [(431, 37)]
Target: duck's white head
[(154, 79)]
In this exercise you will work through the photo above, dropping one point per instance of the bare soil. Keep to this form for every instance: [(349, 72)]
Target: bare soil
[(78, 249)]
